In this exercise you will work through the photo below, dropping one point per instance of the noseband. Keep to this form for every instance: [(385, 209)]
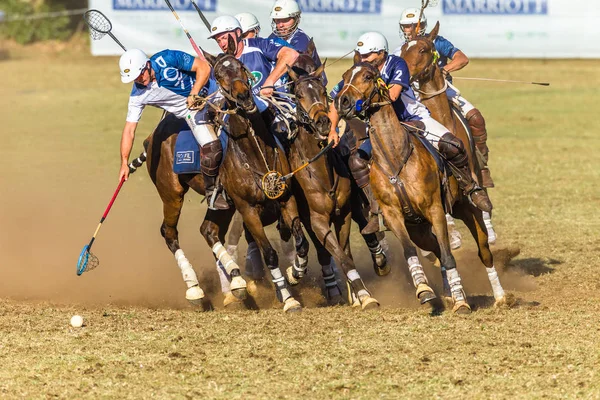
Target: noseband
[(379, 88), (303, 115)]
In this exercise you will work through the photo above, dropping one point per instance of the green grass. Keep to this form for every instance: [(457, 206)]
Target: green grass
[(62, 115)]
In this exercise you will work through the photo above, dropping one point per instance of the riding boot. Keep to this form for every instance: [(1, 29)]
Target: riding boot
[(359, 168), (453, 150), (210, 159), (477, 125)]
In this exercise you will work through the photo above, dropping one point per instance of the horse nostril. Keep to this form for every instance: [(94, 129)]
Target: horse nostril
[(345, 102)]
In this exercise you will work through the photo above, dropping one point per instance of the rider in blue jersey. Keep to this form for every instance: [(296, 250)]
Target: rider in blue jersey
[(372, 48), (251, 28), (451, 59), (170, 80), (285, 16)]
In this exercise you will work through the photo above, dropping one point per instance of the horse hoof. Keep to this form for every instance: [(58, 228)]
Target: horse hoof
[(425, 294), (292, 305), (448, 302), (289, 274), (238, 287), (461, 308), (369, 303), (501, 302), (426, 297), (380, 265), (194, 295), (230, 302)]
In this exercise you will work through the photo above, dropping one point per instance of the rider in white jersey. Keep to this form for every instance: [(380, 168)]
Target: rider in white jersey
[(285, 18), (451, 59), (169, 80), (373, 49)]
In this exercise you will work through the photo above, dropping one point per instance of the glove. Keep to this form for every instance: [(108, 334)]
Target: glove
[(195, 102)]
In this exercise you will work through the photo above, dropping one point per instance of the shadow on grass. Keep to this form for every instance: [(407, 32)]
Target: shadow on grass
[(534, 266)]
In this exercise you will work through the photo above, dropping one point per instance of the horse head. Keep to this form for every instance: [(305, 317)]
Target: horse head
[(420, 56), (233, 78), (312, 103), (362, 87)]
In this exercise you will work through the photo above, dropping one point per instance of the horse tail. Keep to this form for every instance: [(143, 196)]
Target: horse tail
[(135, 164)]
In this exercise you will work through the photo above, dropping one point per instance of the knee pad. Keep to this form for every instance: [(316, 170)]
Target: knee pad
[(476, 122), (359, 167), (453, 149), (211, 155)]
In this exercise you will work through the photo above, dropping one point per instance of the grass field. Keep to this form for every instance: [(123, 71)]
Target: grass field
[(62, 113)]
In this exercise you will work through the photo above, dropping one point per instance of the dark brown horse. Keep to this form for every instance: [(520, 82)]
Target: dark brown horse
[(408, 185), (323, 187)]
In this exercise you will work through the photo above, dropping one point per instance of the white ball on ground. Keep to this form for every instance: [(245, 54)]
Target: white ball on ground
[(76, 321)]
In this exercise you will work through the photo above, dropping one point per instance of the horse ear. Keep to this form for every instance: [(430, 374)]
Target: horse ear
[(434, 32), (210, 58), (319, 71), (293, 75), (231, 45), (310, 49), (356, 57)]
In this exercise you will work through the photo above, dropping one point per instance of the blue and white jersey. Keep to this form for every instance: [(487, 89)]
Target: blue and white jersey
[(445, 49), (299, 41), (395, 72), (174, 81), (259, 56)]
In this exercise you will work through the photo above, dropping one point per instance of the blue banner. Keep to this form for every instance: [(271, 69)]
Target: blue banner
[(160, 5), (495, 7), (341, 6)]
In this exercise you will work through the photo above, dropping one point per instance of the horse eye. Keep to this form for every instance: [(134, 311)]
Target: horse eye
[(368, 77), (422, 51)]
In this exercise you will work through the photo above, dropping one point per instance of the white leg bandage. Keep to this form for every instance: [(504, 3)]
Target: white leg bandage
[(224, 257), (280, 284), (188, 273), (416, 271), (225, 285), (455, 284), (495, 282)]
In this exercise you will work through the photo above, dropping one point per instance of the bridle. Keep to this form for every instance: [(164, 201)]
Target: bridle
[(304, 116), (379, 88), (225, 62), (427, 73)]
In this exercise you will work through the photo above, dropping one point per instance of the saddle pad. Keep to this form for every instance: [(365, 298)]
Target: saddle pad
[(187, 153)]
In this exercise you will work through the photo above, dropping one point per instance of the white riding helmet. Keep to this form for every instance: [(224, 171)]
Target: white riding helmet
[(285, 9), (410, 16), (248, 22), (371, 42), (225, 23), (131, 64)]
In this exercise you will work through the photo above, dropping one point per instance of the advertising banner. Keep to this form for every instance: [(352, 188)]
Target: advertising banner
[(481, 28)]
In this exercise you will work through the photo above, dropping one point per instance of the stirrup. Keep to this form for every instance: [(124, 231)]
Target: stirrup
[(374, 225), (483, 198)]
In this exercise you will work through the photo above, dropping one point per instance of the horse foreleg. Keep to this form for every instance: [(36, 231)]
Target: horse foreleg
[(289, 213), (213, 230), (342, 224), (256, 229), (395, 220), (255, 268), (376, 245), (473, 219)]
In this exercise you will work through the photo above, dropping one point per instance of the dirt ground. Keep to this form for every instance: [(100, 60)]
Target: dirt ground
[(62, 113)]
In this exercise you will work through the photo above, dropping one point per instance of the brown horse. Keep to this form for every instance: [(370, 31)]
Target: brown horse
[(252, 157), (323, 186), (408, 185), (421, 58)]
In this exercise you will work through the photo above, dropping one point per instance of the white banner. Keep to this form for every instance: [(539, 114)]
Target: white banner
[(481, 28)]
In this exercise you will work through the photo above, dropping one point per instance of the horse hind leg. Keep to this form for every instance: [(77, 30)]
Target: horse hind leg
[(376, 242), (474, 220), (172, 210), (212, 229), (448, 263)]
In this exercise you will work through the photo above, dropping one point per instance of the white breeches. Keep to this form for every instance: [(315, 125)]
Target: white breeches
[(201, 129), (434, 131), (454, 96)]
